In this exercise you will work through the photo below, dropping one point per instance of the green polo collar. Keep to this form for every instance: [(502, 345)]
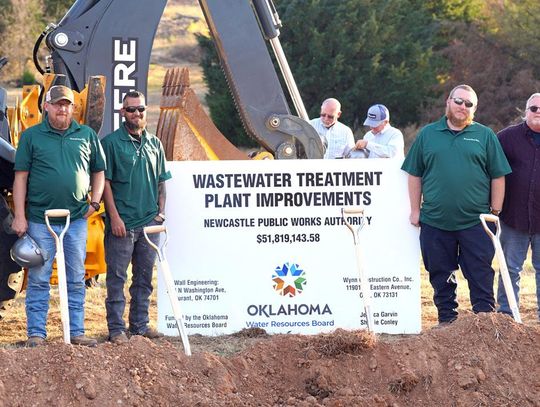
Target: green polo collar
[(442, 125), (46, 127), (124, 135)]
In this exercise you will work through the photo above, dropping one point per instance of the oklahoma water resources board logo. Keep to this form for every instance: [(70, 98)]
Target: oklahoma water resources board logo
[(289, 280)]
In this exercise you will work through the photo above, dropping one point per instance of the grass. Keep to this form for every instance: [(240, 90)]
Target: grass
[(13, 326)]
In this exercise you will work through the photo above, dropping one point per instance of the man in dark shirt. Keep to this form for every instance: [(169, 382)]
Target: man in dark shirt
[(520, 216)]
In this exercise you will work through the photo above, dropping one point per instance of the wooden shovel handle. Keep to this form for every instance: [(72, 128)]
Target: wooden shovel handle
[(351, 211), (154, 229), (57, 213)]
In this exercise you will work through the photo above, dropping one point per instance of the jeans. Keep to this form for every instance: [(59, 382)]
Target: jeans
[(38, 287), (470, 249), (515, 245), (119, 252)]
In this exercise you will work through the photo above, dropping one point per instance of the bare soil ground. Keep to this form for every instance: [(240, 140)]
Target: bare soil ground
[(480, 360)]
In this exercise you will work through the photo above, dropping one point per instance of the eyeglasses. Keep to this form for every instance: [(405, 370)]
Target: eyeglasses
[(534, 109), (459, 102), (131, 109), (331, 117)]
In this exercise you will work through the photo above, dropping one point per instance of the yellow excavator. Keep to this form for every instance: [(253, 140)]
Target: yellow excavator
[(101, 51)]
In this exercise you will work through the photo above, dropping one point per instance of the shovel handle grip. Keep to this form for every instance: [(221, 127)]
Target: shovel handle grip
[(57, 213), (154, 229), (353, 210), (488, 217)]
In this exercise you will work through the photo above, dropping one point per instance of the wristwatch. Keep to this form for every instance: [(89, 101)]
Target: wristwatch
[(495, 212), (95, 205)]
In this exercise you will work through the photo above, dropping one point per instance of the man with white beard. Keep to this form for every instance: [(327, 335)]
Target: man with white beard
[(520, 216)]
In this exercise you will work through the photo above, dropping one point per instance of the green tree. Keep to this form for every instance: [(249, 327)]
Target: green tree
[(456, 10), (54, 10), (514, 26), (219, 98), (361, 52), (496, 56)]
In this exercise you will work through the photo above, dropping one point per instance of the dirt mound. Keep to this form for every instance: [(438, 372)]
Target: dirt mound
[(480, 360)]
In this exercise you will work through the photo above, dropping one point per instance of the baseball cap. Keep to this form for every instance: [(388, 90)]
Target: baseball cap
[(59, 92), (376, 115)]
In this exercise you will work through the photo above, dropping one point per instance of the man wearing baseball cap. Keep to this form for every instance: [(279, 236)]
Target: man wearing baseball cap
[(58, 93), (383, 140), (56, 163)]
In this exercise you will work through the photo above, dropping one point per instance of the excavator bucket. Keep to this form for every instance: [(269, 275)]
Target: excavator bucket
[(184, 128), (94, 111)]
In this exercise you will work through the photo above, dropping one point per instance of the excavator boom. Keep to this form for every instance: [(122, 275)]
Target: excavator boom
[(254, 83)]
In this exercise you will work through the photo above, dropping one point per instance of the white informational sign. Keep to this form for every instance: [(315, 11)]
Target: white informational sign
[(263, 244)]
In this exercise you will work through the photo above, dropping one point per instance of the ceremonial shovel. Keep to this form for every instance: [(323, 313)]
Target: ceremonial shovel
[(364, 286), (61, 266), (166, 272), (503, 269)]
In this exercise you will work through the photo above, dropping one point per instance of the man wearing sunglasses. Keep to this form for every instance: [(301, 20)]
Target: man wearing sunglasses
[(337, 137), (134, 198), (456, 172), (520, 216)]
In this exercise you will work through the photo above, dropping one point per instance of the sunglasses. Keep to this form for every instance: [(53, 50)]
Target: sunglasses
[(331, 117), (534, 109), (459, 102), (131, 109)]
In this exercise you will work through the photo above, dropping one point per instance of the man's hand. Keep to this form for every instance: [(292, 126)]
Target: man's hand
[(89, 212), (118, 227), (361, 144), (414, 218), (19, 225)]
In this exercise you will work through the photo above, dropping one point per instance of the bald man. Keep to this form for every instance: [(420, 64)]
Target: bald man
[(337, 137)]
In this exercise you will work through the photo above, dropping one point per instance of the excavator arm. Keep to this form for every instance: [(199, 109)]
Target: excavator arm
[(114, 38), (257, 91)]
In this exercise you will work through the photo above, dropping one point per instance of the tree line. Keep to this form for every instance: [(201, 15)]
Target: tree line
[(406, 54)]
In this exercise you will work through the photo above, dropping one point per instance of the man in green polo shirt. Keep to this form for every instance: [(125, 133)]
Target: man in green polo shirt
[(456, 172), (56, 163), (134, 198)]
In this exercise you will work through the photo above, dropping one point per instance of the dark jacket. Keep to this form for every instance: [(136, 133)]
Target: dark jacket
[(521, 208)]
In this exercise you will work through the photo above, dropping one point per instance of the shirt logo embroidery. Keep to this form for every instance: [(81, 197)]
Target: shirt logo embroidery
[(471, 139), (76, 139)]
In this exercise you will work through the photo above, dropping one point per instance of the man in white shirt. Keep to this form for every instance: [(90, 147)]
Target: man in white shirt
[(337, 137), (383, 140)]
